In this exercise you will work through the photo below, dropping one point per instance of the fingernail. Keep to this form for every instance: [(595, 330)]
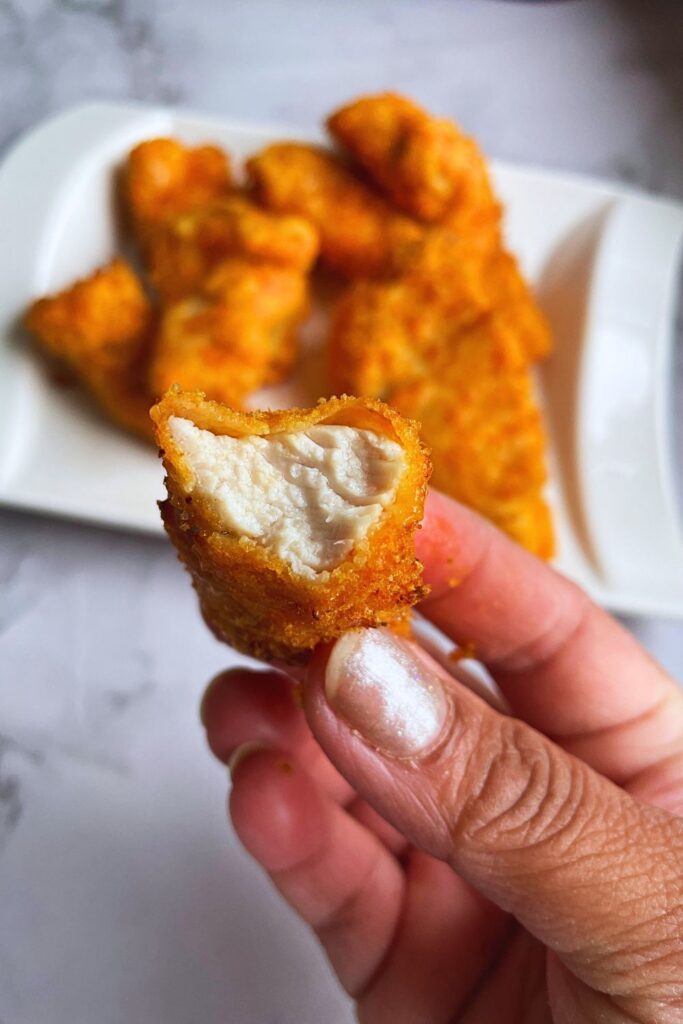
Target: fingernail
[(242, 752), (386, 693)]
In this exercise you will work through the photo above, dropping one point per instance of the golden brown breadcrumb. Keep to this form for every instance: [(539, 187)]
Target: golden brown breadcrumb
[(163, 177), (360, 233), (514, 299), (183, 250), (425, 164), (249, 596), (385, 333), (236, 335), (479, 417), (100, 330)]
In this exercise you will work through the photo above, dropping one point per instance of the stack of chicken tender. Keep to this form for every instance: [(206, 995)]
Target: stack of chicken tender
[(226, 286), (435, 317)]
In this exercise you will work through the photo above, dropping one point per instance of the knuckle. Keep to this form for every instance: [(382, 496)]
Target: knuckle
[(515, 790)]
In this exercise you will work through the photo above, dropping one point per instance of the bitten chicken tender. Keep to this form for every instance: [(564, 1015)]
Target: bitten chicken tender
[(426, 165), (296, 526), (479, 418), (100, 330), (163, 178), (237, 335), (184, 249), (360, 233)]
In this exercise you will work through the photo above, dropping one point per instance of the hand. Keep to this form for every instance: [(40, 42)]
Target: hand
[(454, 862)]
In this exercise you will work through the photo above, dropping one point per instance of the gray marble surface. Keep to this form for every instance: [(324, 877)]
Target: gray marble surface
[(123, 895)]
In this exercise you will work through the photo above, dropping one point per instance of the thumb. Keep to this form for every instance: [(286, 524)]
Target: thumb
[(588, 870)]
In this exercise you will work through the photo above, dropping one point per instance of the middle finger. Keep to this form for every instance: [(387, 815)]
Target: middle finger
[(246, 706)]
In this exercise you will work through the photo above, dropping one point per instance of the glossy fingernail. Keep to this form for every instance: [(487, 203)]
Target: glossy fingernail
[(386, 693), (242, 752)]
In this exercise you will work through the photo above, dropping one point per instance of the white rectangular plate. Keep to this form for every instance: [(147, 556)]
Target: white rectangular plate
[(603, 259)]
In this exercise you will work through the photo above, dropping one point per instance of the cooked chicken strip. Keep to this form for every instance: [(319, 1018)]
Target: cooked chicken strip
[(361, 235), (297, 525)]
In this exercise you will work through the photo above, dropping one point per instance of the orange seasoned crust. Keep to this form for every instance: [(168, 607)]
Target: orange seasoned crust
[(252, 599), (162, 178), (386, 333), (360, 233), (183, 250), (100, 329), (513, 297), (426, 165), (236, 335), (480, 420)]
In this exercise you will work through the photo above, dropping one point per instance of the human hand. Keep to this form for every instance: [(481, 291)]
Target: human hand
[(454, 862)]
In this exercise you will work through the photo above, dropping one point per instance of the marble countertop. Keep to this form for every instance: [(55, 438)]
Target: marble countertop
[(123, 895)]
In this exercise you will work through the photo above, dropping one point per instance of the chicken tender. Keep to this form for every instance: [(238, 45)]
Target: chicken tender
[(163, 178), (100, 330), (465, 277), (527, 520), (516, 302), (386, 333), (296, 526), (426, 166), (381, 337), (360, 233), (184, 249), (480, 420), (237, 335)]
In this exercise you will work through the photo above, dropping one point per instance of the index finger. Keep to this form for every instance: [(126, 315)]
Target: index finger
[(566, 667)]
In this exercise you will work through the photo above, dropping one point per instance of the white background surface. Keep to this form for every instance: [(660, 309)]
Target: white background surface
[(123, 896)]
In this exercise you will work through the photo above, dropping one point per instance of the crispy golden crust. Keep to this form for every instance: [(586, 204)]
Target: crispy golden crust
[(427, 167), (183, 250), (237, 335), (386, 333), (359, 231), (252, 599), (528, 520), (163, 178), (513, 297), (379, 338), (479, 417), (100, 330)]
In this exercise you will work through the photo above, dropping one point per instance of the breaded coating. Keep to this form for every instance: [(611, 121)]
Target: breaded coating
[(386, 333), (515, 300), (249, 592), (360, 233), (184, 249), (381, 337), (237, 335), (480, 420), (427, 166), (100, 330), (527, 520), (163, 178)]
